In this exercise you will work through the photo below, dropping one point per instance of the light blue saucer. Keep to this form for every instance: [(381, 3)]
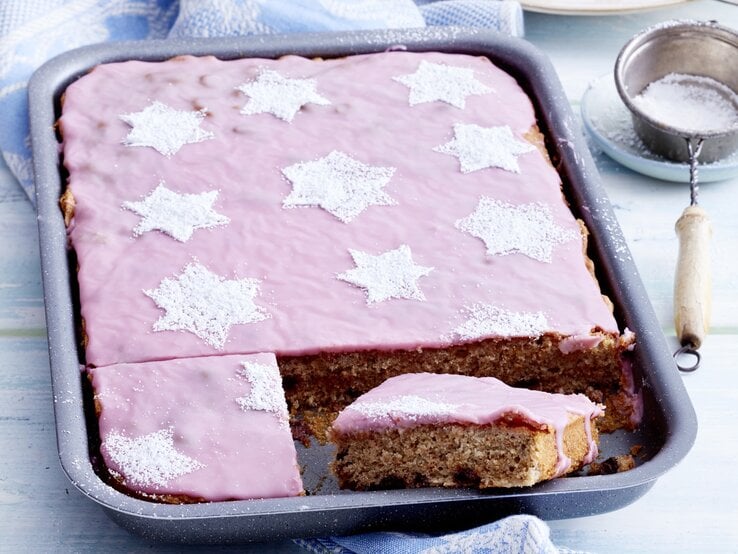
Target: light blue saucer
[(609, 124)]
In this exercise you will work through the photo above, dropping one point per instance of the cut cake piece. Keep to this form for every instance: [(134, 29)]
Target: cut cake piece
[(424, 430), (194, 430)]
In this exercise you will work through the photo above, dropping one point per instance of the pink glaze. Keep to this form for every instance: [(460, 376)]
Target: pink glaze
[(470, 400), (297, 252), (233, 453), (579, 342)]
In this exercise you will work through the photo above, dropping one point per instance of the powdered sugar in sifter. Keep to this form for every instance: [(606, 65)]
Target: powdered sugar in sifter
[(680, 82)]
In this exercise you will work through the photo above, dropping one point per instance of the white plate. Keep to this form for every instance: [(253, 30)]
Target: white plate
[(595, 7), (609, 124)]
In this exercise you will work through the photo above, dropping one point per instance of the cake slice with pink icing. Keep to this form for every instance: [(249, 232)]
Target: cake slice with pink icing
[(423, 429), (200, 429)]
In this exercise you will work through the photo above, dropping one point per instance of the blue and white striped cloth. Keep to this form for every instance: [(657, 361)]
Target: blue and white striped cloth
[(33, 32), (521, 534)]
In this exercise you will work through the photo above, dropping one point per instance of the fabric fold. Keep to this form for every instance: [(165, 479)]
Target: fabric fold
[(520, 534)]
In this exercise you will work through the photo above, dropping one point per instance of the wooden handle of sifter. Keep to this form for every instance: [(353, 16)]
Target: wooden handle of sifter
[(693, 286)]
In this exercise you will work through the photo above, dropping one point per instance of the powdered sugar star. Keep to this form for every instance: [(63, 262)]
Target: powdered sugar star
[(481, 147), (280, 96), (177, 215), (266, 392), (445, 83), (206, 304), (392, 274), (407, 406), (339, 184), (149, 459), (528, 229), (487, 320), (165, 129)]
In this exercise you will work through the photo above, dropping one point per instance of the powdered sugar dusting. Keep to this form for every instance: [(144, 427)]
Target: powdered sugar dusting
[(392, 274), (487, 320), (203, 303), (266, 392), (615, 122), (174, 214), (407, 407), (482, 147), (527, 229), (339, 184), (273, 93), (164, 128), (690, 102), (433, 82), (149, 459)]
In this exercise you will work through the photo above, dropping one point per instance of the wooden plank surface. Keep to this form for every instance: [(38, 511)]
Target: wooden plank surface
[(692, 508)]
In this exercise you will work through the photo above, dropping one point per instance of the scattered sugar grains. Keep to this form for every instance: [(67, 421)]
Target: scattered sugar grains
[(690, 102), (617, 125), (486, 320), (408, 406), (150, 459)]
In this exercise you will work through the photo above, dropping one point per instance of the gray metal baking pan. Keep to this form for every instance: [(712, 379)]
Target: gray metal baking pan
[(669, 426)]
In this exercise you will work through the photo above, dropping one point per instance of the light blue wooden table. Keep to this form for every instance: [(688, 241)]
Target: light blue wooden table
[(693, 508)]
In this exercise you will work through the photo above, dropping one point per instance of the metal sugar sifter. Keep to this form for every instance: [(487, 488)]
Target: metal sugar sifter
[(702, 59)]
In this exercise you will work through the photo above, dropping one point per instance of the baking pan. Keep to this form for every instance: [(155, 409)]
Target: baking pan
[(669, 425)]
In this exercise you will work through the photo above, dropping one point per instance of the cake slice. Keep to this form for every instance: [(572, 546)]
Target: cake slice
[(422, 430), (194, 430)]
